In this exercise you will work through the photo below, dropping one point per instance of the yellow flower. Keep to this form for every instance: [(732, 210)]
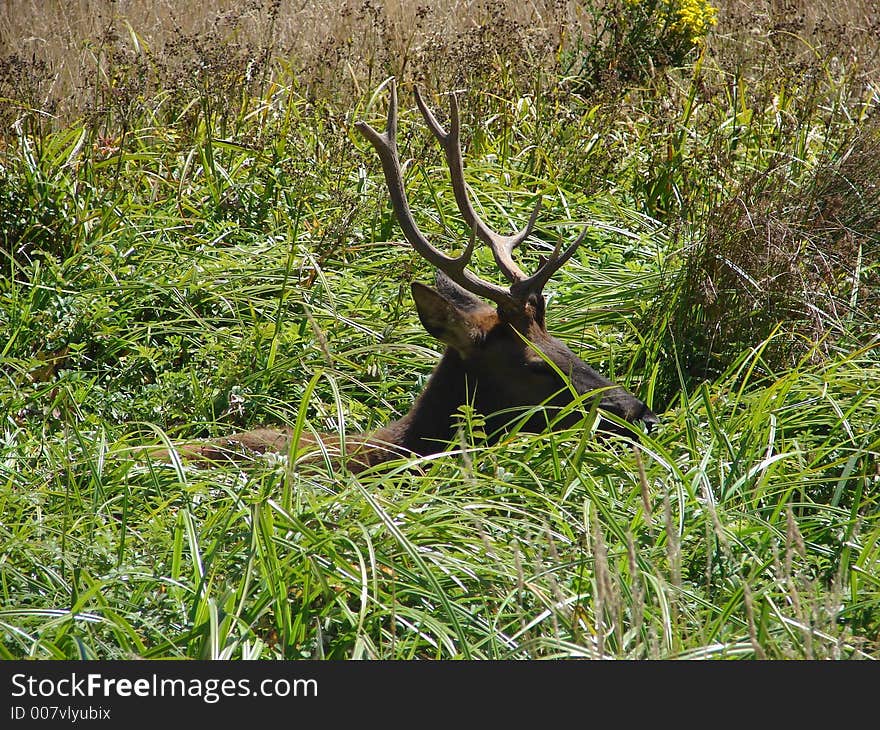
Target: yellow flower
[(694, 18), (690, 19)]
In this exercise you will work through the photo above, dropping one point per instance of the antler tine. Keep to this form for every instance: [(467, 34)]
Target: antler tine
[(502, 246), (386, 147), (535, 283)]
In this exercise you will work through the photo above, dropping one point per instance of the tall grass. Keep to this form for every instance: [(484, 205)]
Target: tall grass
[(195, 241)]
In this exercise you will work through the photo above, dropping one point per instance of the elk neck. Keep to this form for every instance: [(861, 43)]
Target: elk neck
[(430, 424)]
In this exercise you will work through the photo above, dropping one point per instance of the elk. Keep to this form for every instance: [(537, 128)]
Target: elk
[(499, 357)]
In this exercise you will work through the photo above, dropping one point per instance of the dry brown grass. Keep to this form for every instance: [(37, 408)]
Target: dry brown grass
[(324, 42), (63, 47)]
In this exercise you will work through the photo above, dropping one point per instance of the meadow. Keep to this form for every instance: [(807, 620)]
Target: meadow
[(195, 240)]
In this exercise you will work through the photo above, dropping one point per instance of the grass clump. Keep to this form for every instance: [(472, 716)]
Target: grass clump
[(194, 241)]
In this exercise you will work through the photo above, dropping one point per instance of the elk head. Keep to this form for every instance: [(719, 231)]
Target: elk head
[(505, 361)]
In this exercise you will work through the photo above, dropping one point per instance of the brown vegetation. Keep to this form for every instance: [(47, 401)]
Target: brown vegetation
[(66, 51)]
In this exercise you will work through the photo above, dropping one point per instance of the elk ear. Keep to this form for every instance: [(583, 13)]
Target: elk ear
[(460, 297), (443, 319)]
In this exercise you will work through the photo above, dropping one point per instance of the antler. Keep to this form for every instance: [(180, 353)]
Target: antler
[(522, 286), (454, 268)]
